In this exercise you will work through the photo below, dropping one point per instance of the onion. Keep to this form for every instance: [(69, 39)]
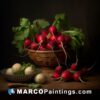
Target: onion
[(9, 71), (16, 67), (40, 78), (29, 71)]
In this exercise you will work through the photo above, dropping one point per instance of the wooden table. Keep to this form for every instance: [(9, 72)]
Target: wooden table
[(93, 82)]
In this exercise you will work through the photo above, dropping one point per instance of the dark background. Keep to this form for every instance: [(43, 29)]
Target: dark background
[(81, 13)]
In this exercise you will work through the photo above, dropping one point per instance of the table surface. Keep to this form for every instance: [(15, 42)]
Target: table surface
[(93, 82)]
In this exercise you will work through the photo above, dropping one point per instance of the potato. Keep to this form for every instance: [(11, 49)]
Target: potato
[(9, 71), (16, 67)]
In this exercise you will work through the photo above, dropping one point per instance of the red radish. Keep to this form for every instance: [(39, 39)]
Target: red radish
[(60, 38), (39, 38), (50, 45), (52, 38), (56, 75), (58, 69), (27, 43), (41, 48), (34, 45), (59, 45), (77, 76), (44, 33), (52, 30), (66, 75), (73, 66)]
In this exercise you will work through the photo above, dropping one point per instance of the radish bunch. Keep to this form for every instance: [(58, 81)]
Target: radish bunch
[(47, 39), (71, 73), (67, 74)]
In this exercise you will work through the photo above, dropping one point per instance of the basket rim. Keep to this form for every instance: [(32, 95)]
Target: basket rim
[(48, 51)]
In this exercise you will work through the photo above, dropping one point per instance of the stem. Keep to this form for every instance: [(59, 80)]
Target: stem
[(61, 79), (76, 59), (54, 22), (24, 55), (65, 54), (17, 85), (56, 57), (55, 54), (81, 80), (38, 47), (91, 67)]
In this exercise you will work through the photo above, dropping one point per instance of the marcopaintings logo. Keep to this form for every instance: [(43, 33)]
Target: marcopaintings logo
[(11, 91)]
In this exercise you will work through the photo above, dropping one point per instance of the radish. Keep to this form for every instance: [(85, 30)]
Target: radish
[(41, 48), (50, 45), (39, 38), (59, 45), (52, 38), (44, 33), (52, 29), (73, 66), (58, 69), (56, 75), (34, 45), (60, 39), (66, 75), (27, 42), (77, 76)]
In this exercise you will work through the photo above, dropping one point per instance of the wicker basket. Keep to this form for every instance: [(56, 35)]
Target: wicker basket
[(46, 58)]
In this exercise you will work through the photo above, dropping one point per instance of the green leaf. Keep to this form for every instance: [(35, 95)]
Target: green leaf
[(22, 35), (61, 22), (34, 85), (77, 37), (20, 46), (24, 22), (41, 23), (60, 16), (35, 29)]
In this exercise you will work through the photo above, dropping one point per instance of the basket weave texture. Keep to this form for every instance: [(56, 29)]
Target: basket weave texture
[(46, 58)]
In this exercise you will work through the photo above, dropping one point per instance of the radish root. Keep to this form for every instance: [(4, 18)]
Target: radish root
[(81, 80), (65, 54)]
